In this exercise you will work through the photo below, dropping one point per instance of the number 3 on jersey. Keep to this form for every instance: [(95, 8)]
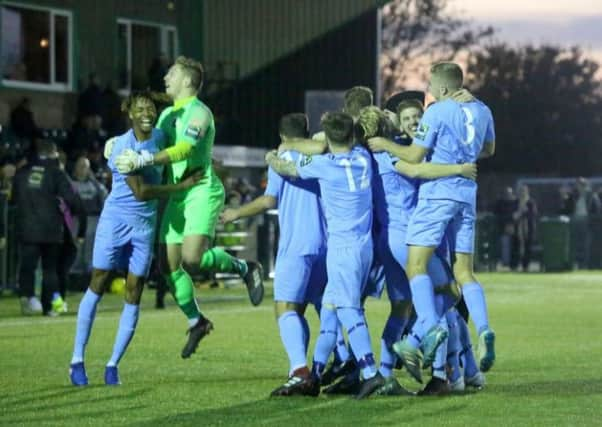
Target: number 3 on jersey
[(470, 131), (364, 182)]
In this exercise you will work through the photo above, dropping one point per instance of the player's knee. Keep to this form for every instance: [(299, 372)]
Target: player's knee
[(464, 276), (99, 281), (191, 266), (281, 307)]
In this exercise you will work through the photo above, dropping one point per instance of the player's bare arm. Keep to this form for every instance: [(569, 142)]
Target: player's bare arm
[(433, 170), (143, 191), (130, 160), (255, 207), (410, 153), (281, 166), (303, 146)]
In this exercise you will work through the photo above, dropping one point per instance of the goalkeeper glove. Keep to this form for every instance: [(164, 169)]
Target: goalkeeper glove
[(129, 160)]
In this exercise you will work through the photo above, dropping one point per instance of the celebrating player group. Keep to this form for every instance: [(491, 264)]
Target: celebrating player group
[(378, 198)]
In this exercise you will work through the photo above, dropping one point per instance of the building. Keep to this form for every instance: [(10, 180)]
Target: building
[(261, 55)]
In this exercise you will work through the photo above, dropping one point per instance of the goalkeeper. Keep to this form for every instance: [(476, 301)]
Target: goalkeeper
[(188, 223)]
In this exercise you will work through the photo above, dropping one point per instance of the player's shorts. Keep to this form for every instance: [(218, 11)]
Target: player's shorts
[(299, 278), (348, 268), (120, 246), (195, 214), (375, 285), (431, 219), (398, 286), (437, 268)]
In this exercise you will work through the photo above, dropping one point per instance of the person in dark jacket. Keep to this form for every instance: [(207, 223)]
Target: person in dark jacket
[(37, 191)]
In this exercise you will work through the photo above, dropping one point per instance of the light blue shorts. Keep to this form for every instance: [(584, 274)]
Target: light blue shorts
[(299, 278), (119, 246), (432, 218)]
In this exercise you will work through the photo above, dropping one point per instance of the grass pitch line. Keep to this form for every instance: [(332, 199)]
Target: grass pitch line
[(39, 320)]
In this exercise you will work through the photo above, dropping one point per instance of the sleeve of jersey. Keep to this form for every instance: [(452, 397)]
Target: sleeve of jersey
[(195, 126), (490, 131), (309, 166), (427, 129), (179, 152), (274, 184)]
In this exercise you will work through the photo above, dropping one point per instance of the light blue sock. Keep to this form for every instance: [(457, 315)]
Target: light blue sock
[(127, 327), (326, 340), (292, 335), (306, 333), (85, 318), (453, 345), (341, 351), (441, 355), (423, 297), (354, 322), (466, 355), (477, 307), (392, 333), (416, 334)]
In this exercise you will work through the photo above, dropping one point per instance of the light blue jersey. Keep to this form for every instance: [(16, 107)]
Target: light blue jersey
[(300, 271), (345, 180), (300, 212), (125, 233), (121, 202), (455, 133), (394, 195)]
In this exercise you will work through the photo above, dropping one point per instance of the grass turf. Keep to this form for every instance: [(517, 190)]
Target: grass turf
[(547, 370)]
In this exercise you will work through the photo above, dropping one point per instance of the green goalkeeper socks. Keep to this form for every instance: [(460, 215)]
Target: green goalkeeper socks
[(182, 288), (216, 259)]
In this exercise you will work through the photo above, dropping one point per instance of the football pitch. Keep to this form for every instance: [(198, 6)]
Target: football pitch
[(547, 372)]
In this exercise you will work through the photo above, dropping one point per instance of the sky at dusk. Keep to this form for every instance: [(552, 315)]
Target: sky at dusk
[(568, 22)]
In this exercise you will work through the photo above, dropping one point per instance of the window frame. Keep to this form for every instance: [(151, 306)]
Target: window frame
[(164, 37), (53, 85)]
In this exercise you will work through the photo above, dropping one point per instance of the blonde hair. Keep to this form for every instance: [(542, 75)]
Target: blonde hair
[(450, 73), (194, 70)]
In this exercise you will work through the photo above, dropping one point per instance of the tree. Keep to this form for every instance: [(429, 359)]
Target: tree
[(547, 106), (416, 33)]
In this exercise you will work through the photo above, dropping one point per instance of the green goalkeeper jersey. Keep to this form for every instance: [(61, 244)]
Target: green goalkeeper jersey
[(190, 120)]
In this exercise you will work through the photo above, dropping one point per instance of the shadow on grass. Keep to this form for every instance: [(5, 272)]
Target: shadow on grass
[(306, 411), (43, 406)]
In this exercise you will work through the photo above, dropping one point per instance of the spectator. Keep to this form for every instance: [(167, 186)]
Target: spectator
[(92, 194), (86, 138), (37, 187), (567, 202), (505, 207), (112, 120), (526, 221), (90, 102), (22, 122), (587, 203)]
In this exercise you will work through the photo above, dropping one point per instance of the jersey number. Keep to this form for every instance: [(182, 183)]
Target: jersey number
[(364, 182), (470, 131)]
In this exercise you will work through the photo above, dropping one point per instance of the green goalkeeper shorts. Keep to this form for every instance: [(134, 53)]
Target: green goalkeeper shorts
[(197, 213)]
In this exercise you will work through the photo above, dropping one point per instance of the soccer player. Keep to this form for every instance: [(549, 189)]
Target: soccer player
[(449, 132), (188, 223), (354, 100), (394, 201), (300, 274), (344, 176), (125, 235)]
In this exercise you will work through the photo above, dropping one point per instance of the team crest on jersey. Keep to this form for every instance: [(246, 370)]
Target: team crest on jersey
[(306, 160), (422, 130)]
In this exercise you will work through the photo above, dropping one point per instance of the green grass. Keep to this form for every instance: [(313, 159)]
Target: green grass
[(547, 372)]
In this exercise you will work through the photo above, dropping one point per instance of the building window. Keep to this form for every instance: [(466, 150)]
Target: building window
[(36, 47), (144, 52)]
